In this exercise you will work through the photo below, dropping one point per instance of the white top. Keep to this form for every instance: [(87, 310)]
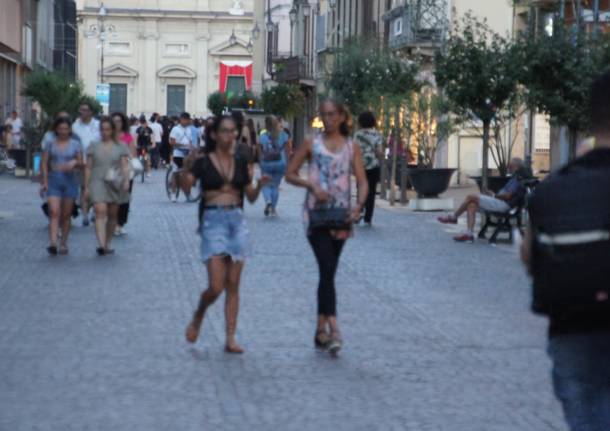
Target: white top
[(87, 132), (183, 137), (17, 126), (157, 132)]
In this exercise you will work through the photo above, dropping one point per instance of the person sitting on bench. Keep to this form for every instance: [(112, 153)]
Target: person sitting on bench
[(502, 202)]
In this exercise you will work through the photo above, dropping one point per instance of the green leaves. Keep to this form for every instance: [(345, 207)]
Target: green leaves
[(54, 93), (363, 72), (285, 100), (218, 101), (478, 71), (560, 71)]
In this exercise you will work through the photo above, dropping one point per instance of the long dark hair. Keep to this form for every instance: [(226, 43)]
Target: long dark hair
[(106, 119), (252, 130), (239, 120), (124, 121), (345, 128), (210, 142)]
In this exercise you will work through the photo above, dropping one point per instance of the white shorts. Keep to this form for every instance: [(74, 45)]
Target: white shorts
[(491, 204)]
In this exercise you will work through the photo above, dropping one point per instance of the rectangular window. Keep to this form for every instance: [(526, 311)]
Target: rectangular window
[(119, 48), (118, 98), (397, 27), (236, 85)]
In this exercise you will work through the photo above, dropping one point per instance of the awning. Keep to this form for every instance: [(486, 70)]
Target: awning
[(235, 68)]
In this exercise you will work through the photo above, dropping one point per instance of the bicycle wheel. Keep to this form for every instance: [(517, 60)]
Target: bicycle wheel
[(195, 193), (168, 183)]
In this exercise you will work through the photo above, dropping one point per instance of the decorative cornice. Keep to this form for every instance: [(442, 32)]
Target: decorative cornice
[(159, 13)]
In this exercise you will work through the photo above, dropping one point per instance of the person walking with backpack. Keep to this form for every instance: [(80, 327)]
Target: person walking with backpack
[(275, 145), (328, 211), (566, 249)]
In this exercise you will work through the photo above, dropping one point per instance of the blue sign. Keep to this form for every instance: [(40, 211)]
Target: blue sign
[(102, 93)]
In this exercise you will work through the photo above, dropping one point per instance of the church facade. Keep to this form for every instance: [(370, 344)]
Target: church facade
[(165, 56)]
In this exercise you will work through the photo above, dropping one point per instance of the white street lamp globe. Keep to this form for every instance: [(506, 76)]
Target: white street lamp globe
[(306, 8), (233, 38), (102, 12), (256, 32), (293, 15)]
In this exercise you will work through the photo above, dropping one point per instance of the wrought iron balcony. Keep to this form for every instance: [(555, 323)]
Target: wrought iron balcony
[(417, 23), (295, 70)]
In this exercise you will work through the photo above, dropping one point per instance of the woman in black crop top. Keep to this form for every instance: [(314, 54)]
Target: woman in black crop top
[(225, 180)]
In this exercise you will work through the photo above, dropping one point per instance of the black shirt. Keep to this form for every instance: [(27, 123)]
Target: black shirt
[(575, 198), (144, 135), (210, 179)]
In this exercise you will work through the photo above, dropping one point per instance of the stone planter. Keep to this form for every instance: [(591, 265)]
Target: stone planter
[(429, 183)]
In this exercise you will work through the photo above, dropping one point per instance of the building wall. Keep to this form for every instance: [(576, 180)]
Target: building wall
[(180, 44)]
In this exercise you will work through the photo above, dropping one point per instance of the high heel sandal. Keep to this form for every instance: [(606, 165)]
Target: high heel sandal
[(335, 343), (321, 339)]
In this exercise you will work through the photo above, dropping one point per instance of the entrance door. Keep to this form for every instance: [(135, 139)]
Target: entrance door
[(470, 158), (175, 99), (118, 98)]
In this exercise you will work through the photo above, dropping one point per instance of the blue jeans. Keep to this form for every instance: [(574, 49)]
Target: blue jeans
[(581, 379), (276, 170)]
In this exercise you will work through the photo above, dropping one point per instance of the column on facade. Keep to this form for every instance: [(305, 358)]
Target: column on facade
[(201, 57), (149, 99), (89, 57)]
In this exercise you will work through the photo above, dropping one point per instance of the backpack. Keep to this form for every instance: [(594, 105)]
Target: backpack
[(272, 152), (570, 220)]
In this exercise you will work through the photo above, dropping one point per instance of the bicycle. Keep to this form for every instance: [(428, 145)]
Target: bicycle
[(172, 170)]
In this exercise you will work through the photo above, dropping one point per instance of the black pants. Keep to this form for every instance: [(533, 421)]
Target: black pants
[(373, 176), (124, 209), (327, 251)]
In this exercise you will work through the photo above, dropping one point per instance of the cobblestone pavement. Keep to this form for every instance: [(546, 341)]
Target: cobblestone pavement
[(438, 335)]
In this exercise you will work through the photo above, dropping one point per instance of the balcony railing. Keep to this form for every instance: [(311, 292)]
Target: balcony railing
[(293, 70), (414, 23)]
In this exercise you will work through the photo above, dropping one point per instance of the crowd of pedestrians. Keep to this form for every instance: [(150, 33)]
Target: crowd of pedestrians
[(565, 247)]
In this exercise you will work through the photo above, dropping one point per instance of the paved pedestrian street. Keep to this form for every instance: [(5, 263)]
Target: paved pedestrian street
[(438, 335)]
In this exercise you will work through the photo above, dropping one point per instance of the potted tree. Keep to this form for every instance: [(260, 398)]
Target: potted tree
[(430, 124), (478, 72)]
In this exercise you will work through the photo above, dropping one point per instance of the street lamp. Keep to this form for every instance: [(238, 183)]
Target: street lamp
[(250, 46), (102, 32), (293, 15), (306, 8), (332, 3), (256, 31), (233, 38)]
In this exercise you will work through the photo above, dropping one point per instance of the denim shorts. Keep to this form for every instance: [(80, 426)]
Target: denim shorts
[(224, 233), (63, 185)]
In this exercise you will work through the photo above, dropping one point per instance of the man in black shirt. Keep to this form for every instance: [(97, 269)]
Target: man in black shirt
[(145, 141), (567, 252)]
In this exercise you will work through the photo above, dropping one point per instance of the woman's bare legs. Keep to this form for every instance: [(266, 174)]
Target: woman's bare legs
[(113, 212), (217, 274), (101, 220), (67, 206), (54, 216), (232, 305)]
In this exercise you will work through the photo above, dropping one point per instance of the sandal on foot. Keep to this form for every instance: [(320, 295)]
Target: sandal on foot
[(321, 339), (100, 251), (192, 333), (63, 251), (52, 250), (109, 251), (335, 343), (235, 349)]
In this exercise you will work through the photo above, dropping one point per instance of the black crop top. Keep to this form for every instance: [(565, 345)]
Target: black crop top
[(211, 179)]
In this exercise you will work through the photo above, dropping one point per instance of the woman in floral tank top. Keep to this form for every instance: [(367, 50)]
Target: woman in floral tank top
[(332, 159)]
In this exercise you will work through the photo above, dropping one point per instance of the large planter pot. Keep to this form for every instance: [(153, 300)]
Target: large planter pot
[(494, 183), (429, 183)]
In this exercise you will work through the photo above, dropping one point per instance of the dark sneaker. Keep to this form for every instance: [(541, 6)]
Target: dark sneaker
[(448, 219), (268, 210), (465, 237)]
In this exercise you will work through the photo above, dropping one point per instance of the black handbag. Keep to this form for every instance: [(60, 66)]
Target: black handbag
[(329, 218)]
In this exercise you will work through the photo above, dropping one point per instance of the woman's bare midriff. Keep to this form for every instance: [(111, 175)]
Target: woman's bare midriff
[(226, 196)]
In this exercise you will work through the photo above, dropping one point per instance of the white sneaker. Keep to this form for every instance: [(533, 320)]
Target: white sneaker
[(148, 175), (123, 231), (174, 199), (117, 231)]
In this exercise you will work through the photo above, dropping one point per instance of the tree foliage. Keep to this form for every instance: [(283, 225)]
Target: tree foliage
[(285, 100), (363, 72), (479, 73), (54, 93), (559, 72)]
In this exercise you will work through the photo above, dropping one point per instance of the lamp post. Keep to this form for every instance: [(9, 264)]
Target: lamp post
[(102, 32), (293, 19)]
